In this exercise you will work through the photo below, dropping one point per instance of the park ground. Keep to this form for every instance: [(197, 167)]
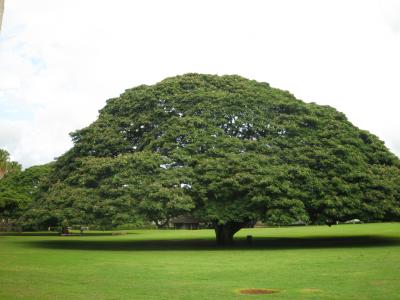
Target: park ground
[(360, 261)]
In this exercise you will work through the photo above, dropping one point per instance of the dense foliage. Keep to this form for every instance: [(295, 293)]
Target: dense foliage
[(6, 165), (19, 189), (229, 151)]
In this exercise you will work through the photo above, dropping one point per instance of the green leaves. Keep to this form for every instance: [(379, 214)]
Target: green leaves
[(19, 188), (7, 166), (227, 150)]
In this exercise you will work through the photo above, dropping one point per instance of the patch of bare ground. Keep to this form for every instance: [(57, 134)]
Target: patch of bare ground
[(258, 291), (378, 282)]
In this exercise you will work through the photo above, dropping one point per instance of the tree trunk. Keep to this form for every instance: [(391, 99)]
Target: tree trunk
[(224, 232), (2, 172), (64, 230), (162, 225)]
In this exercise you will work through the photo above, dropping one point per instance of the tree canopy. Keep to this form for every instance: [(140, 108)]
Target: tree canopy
[(227, 150), (18, 189)]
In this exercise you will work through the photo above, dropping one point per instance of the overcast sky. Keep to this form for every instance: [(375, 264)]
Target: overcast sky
[(61, 60)]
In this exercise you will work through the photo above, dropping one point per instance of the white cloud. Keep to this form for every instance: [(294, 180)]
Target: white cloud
[(391, 11), (60, 60), (11, 133)]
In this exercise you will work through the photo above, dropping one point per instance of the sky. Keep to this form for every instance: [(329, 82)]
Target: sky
[(61, 60)]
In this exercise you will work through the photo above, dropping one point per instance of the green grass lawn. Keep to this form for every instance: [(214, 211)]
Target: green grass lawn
[(314, 262)]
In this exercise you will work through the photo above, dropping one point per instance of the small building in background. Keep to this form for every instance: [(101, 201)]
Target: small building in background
[(9, 225), (186, 222)]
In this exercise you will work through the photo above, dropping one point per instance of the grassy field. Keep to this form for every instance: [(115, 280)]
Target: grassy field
[(340, 262)]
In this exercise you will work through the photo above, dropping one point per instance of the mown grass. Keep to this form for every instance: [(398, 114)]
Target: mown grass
[(313, 262)]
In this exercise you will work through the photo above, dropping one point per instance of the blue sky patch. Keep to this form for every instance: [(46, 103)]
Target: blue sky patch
[(12, 112)]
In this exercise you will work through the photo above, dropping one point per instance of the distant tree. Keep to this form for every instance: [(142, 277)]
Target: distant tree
[(7, 166), (19, 188), (227, 150)]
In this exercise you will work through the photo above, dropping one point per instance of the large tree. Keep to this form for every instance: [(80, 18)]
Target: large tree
[(230, 151), (6, 165)]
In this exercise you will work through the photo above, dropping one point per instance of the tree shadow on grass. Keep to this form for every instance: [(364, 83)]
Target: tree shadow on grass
[(57, 234), (276, 243), (3, 234)]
